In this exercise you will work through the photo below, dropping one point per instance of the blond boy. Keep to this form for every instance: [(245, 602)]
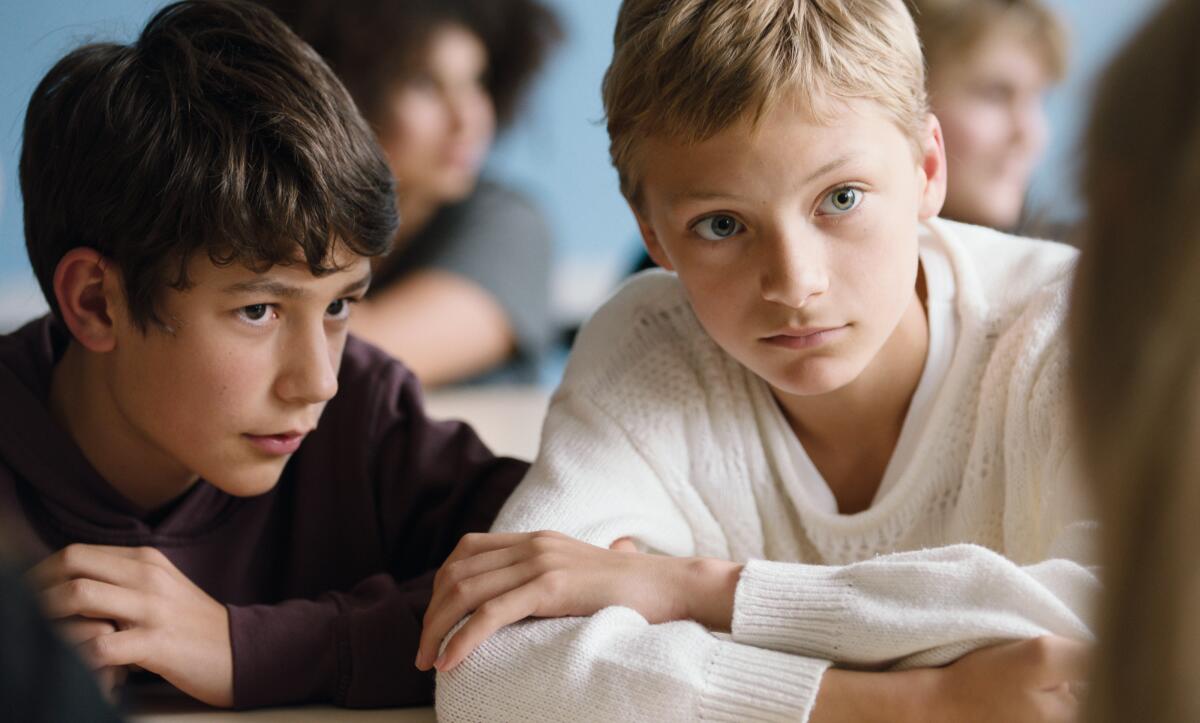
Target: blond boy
[(840, 423)]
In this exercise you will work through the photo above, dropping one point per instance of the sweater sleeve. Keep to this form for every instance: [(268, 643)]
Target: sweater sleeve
[(912, 609), (426, 483), (591, 482), (341, 647), (615, 666)]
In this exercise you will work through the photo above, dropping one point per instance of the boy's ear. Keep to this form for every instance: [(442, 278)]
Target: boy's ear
[(650, 240), (933, 169), (86, 286)]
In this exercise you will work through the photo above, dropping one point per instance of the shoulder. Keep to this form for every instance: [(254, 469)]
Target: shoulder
[(646, 329), (30, 352), (1013, 300), (999, 275), (499, 210)]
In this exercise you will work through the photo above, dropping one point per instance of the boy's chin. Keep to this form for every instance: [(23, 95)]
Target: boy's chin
[(811, 379), (249, 482)]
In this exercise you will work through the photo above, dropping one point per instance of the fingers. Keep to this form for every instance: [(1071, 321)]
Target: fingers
[(475, 543), (625, 544), (119, 649), (465, 568), (490, 617), (109, 681), (1059, 705), (93, 599), (1058, 661), (77, 631), (133, 567), (462, 597)]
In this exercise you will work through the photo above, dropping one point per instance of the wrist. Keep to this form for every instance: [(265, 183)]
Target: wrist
[(863, 697), (920, 698), (708, 589)]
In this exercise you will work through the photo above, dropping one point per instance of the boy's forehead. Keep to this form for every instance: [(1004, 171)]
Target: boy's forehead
[(348, 267), (785, 144)]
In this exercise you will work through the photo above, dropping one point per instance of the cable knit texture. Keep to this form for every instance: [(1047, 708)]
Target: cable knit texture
[(659, 435)]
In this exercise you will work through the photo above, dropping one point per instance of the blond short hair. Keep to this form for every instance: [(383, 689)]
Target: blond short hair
[(688, 69), (951, 28)]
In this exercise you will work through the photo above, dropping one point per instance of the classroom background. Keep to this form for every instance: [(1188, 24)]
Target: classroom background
[(557, 153)]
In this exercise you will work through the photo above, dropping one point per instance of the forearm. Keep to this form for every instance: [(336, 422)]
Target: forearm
[(352, 648), (848, 696), (443, 326), (709, 588)]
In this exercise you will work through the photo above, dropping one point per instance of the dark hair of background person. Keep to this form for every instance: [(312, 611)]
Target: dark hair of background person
[(373, 45), (152, 151), (1136, 369)]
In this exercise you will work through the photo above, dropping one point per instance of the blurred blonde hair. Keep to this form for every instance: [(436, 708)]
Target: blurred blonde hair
[(1136, 351), (688, 69), (949, 29)]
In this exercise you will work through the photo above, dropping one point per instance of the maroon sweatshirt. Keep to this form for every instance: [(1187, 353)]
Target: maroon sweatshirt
[(327, 576)]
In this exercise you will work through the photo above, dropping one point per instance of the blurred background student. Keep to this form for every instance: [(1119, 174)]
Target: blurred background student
[(990, 65), (466, 290), (1136, 356)]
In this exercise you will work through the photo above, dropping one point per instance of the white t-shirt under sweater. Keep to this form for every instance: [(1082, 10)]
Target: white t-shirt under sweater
[(657, 434), (943, 336)]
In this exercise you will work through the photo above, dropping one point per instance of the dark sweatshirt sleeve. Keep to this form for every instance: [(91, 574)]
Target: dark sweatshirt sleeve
[(432, 483)]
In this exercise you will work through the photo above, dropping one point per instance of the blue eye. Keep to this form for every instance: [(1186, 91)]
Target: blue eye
[(717, 227), (841, 200)]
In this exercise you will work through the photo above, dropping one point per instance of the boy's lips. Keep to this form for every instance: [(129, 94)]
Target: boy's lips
[(277, 444), (805, 338)]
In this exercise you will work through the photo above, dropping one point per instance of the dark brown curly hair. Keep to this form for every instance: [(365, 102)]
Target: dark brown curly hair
[(374, 44), (216, 131)]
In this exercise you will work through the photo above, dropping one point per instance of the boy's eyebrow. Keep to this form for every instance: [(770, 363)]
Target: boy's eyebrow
[(828, 167), (274, 287), (704, 195), (356, 286)]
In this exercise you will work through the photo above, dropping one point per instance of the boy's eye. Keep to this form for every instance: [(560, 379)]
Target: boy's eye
[(255, 312), (339, 309), (717, 227), (841, 200)]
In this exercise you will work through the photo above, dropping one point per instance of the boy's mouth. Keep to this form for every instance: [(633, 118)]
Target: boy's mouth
[(277, 444), (805, 338)]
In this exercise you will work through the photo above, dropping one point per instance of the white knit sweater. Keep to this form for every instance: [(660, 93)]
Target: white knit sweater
[(659, 435)]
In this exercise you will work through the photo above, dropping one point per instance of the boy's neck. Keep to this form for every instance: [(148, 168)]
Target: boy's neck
[(82, 403), (850, 434)]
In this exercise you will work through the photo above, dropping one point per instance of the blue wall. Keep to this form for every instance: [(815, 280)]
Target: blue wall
[(558, 154)]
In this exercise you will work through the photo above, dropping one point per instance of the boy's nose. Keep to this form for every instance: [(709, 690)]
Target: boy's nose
[(793, 270), (310, 371)]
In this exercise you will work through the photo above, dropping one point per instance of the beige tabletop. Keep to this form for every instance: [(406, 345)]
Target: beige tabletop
[(167, 705), (507, 418)]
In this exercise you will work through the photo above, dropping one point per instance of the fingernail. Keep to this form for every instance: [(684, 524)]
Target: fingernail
[(440, 662)]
